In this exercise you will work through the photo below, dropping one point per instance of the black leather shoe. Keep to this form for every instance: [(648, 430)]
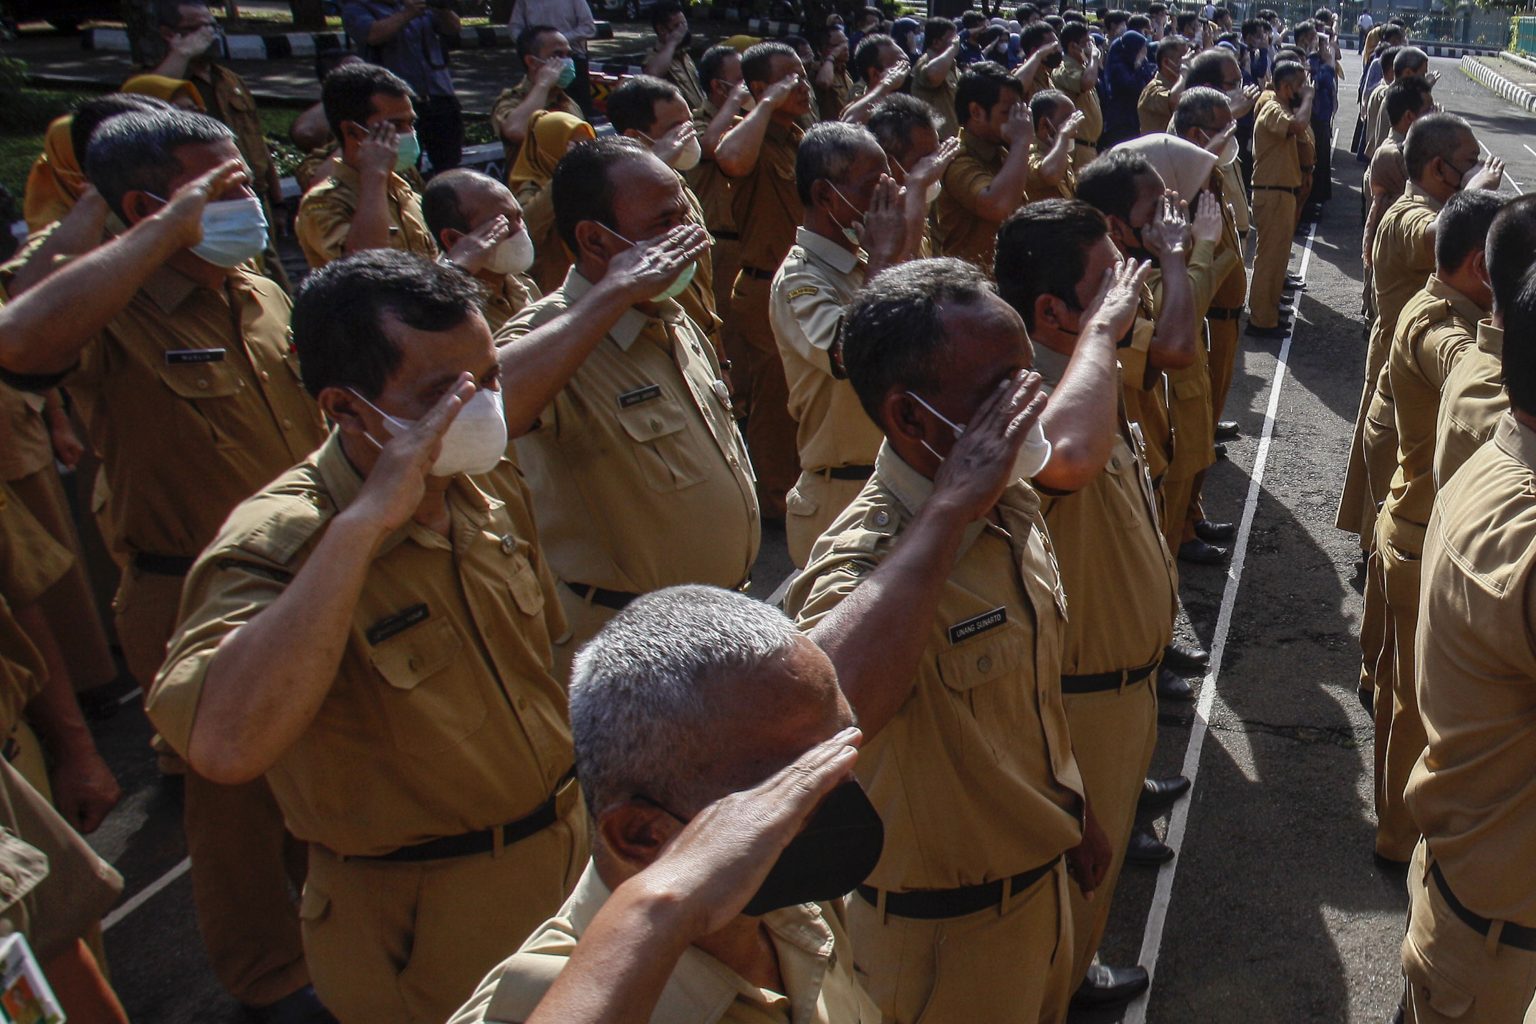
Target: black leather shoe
[(1227, 430), (1220, 450), (1186, 657), (1172, 686), (1146, 848), (1277, 331), (1158, 793), (1104, 987), (1367, 701), (1201, 553), (1216, 533), (1295, 283)]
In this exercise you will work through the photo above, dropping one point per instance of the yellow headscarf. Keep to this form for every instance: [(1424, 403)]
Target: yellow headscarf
[(56, 179), (162, 88), (550, 134)]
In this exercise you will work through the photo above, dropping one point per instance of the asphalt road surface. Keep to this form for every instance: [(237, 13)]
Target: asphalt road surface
[(1274, 910)]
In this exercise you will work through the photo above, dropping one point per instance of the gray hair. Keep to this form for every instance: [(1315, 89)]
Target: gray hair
[(1433, 135), (646, 692), (897, 116), (1197, 108), (826, 153), (137, 152)]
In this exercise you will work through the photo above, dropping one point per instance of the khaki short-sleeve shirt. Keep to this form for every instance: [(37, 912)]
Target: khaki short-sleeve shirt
[(507, 298), (1276, 152), (25, 447), (1068, 78), (1402, 258), (1154, 107), (31, 561), (766, 204), (710, 184), (816, 281), (639, 475), (940, 97), (326, 212), (229, 99), (1471, 403), (1036, 187), (1388, 172), (974, 777), (963, 231), (509, 100), (444, 717), (684, 74)]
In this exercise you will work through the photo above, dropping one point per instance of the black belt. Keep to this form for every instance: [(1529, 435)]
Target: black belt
[(618, 600), (1084, 142), (1224, 312), (760, 275), (1095, 682), (1515, 935), (1278, 188), (726, 236), (162, 565), (850, 472), (936, 904), (484, 841)]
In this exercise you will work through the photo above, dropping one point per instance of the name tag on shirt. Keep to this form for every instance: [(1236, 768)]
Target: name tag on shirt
[(635, 397), (188, 356), (977, 624), (393, 625)]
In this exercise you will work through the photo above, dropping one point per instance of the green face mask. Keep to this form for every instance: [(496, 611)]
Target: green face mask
[(677, 287), (410, 152)]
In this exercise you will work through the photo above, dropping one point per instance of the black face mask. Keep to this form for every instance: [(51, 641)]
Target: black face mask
[(1054, 60), (687, 42), (1296, 101)]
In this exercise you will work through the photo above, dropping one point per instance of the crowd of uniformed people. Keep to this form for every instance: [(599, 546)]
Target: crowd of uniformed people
[(432, 568)]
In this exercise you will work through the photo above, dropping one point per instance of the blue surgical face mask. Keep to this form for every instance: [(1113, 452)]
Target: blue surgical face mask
[(676, 288), (234, 230)]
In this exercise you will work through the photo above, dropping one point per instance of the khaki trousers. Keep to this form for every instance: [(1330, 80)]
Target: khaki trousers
[(1452, 973), (811, 506), (406, 943), (1011, 964), (770, 429), (1274, 214), (1396, 832), (1113, 735), (245, 866)]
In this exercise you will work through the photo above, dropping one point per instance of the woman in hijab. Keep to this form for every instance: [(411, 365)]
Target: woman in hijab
[(1127, 72), (551, 134), (56, 179), (175, 91)]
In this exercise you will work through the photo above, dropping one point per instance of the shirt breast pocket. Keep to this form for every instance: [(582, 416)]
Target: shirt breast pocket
[(428, 707), (981, 676), (1128, 503), (209, 387), (523, 581), (659, 430)]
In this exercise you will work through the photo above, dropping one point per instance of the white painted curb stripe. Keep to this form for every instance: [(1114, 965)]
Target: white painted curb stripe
[(146, 894), (1496, 83)]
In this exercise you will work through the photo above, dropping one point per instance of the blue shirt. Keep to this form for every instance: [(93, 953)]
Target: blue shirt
[(415, 53), (1325, 82)]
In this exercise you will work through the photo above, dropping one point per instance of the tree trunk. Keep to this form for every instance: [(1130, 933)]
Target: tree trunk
[(143, 33), (308, 15)]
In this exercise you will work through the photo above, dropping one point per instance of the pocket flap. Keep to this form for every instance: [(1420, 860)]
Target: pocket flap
[(201, 380), (798, 503), (651, 420), (405, 660), (983, 660), (523, 581), (1433, 985)]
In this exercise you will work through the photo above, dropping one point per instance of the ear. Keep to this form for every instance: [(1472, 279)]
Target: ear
[(901, 416), (636, 832), (592, 241), (1478, 264), (344, 409), (1048, 310), (137, 205), (448, 238)]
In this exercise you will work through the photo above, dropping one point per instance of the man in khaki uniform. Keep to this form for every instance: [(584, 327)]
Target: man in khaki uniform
[(164, 343), (1154, 107), (1052, 173), (1473, 397), (463, 206), (1434, 331), (1387, 175), (1078, 77), (1280, 119), (1103, 527), (1042, 54), (841, 172), (365, 204), (720, 74), (1470, 951), (417, 736), (724, 730), (829, 75), (958, 668), (936, 75), (548, 67), (759, 153), (985, 182), (642, 420), (669, 59)]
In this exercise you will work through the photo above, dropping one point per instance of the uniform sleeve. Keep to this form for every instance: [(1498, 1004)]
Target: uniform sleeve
[(965, 180), (823, 587), (1132, 355), (31, 561), (322, 227), (1068, 79), (806, 315), (1445, 346), (1386, 172), (1272, 121)]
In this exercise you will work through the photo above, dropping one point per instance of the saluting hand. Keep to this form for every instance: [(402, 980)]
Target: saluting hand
[(895, 76), (183, 215), (1207, 223), (980, 466), (1168, 233), (376, 154), (398, 481), (1073, 126), (779, 91), (1019, 130), (931, 167), (883, 233), (1488, 176), (649, 267), (471, 251), (1119, 297), (673, 142)]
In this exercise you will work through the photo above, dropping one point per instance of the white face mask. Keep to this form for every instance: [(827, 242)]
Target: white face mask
[(1228, 152), (1033, 455), (234, 230), (685, 159), (476, 439), (512, 255)]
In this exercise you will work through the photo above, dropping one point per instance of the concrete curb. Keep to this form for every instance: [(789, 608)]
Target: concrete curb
[(307, 44), (1457, 49), (1519, 58), (755, 26), (1497, 84)]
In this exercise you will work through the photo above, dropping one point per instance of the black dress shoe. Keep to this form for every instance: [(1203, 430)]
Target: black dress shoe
[(1201, 553), (1172, 686), (1159, 793), (1220, 450), (1110, 986), (1186, 657), (1227, 430), (1367, 700), (1295, 283), (1146, 848), (1216, 533), (1277, 331)]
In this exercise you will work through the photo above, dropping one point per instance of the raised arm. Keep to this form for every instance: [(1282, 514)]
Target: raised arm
[(666, 52), (1006, 191), (1174, 340), (937, 69), (513, 127), (375, 164), (1059, 157), (709, 141), (736, 152), (859, 111)]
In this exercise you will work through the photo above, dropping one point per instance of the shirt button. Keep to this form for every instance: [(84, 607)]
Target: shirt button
[(202, 382), (654, 423), (882, 518), (508, 544), (265, 375), (522, 703), (984, 663), (287, 423)]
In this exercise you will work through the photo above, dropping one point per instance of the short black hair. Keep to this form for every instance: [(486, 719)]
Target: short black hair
[(441, 205), (971, 19), (1433, 135), (1043, 250), (894, 120), (1519, 350), (528, 40), (1461, 227), (867, 56), (347, 93), (582, 187), (1409, 58), (1252, 27), (1388, 59), (1044, 104), (709, 64), (1034, 36), (1209, 68), (1109, 183), (168, 12), (663, 12), (1394, 31), (893, 331), (1116, 17), (1157, 8), (1511, 249), (1303, 28), (1056, 22), (757, 62), (1072, 33), (341, 309), (137, 151), (1285, 70), (1196, 107), (1139, 23), (1024, 12), (632, 105), (1183, 20), (935, 29), (97, 110), (1407, 96), (826, 152), (983, 84), (1175, 45)]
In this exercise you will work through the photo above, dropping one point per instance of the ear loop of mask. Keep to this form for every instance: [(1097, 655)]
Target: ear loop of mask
[(393, 419), (958, 428)]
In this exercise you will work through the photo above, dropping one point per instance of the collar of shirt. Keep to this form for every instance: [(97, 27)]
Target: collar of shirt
[(824, 249), (1516, 439), (981, 149), (1460, 304), (169, 288), (346, 174), (701, 988), (1422, 198), (1490, 338), (629, 326), (913, 490), (1050, 364)]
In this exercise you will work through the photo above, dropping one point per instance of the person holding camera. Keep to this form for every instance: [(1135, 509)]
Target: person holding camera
[(407, 37)]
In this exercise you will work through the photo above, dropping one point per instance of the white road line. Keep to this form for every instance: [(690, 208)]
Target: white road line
[(1518, 187), (146, 894), (131, 696), (1529, 150), (1157, 917)]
